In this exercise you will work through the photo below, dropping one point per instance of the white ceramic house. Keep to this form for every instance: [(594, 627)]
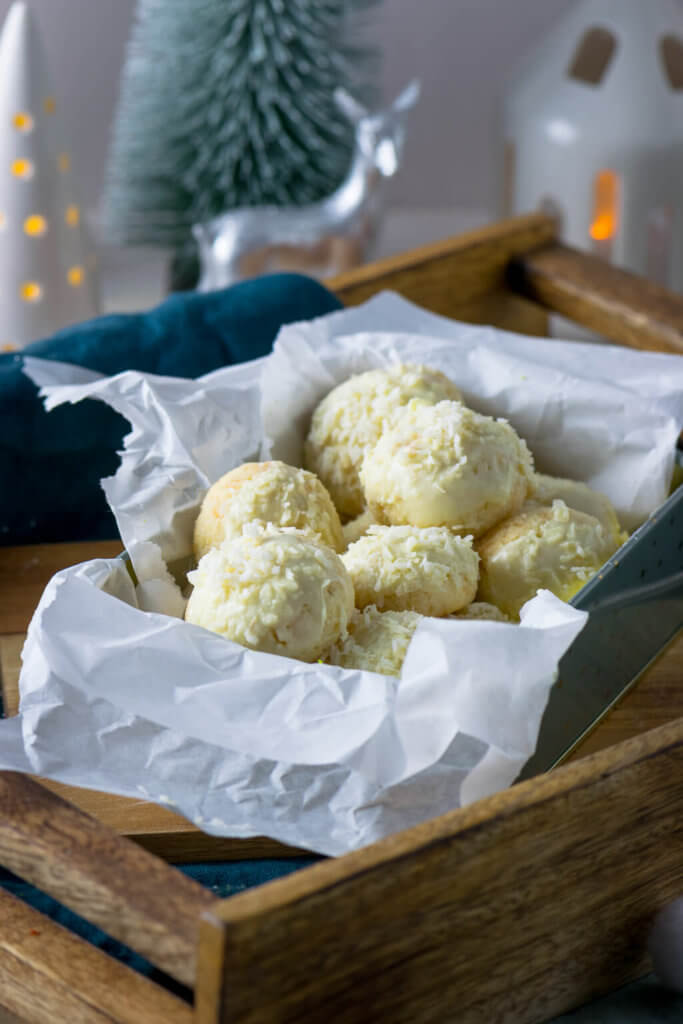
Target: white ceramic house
[(46, 272), (594, 130)]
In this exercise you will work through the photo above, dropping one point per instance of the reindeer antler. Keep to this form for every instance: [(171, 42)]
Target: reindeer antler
[(408, 97), (349, 106)]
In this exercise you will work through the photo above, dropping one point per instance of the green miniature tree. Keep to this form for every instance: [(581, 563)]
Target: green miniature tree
[(228, 103)]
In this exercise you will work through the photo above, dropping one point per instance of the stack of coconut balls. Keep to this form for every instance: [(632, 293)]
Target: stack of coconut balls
[(444, 516)]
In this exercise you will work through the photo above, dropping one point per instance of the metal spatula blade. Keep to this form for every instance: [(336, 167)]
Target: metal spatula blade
[(635, 607)]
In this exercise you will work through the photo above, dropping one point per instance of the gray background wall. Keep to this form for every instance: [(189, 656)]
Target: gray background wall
[(463, 51)]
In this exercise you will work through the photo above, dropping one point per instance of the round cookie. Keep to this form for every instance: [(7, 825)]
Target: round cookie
[(445, 465), (266, 492), (556, 548), (404, 568), (481, 611), (351, 418), (545, 489), (278, 591), (376, 641)]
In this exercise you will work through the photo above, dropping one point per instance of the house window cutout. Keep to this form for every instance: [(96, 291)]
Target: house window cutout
[(593, 56), (671, 52)]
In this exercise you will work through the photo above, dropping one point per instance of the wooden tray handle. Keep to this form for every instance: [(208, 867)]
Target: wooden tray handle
[(131, 894), (48, 974), (613, 302)]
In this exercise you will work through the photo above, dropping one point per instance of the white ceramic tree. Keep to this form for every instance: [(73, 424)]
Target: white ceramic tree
[(46, 274)]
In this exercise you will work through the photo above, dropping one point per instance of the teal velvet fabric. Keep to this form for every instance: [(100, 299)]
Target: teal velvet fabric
[(51, 463)]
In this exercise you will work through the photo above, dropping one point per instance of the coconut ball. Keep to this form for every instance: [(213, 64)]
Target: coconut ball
[(445, 465), (351, 418), (376, 641), (481, 611), (404, 568), (278, 591), (556, 548), (266, 492), (545, 489)]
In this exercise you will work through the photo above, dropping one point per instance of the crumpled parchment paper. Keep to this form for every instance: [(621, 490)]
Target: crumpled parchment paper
[(119, 693)]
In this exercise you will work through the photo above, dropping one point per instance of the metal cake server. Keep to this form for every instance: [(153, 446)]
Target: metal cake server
[(635, 606)]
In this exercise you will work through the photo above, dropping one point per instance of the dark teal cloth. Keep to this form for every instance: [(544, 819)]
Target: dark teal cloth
[(51, 463)]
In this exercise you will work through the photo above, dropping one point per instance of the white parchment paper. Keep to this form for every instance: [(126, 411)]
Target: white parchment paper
[(118, 693)]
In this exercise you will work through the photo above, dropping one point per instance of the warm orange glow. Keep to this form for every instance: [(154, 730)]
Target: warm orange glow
[(35, 225), (31, 291), (605, 222), (22, 121), (72, 216), (49, 105), (75, 276), (22, 168), (63, 162), (603, 227)]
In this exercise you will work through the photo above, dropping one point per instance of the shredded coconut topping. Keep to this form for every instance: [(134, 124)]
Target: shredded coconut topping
[(577, 495), (376, 641), (267, 492), (556, 548), (275, 590), (351, 418), (445, 465), (431, 570)]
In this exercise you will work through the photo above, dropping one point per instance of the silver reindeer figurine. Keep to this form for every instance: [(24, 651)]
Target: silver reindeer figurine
[(321, 238)]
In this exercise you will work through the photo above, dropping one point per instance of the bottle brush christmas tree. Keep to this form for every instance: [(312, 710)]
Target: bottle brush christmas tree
[(228, 103)]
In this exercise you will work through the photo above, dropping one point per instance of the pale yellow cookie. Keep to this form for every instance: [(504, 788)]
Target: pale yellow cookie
[(545, 489), (351, 418), (278, 591), (445, 465), (404, 568), (266, 492), (556, 548), (376, 641), (481, 611)]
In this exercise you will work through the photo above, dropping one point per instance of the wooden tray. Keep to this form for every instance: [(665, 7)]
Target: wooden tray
[(511, 909)]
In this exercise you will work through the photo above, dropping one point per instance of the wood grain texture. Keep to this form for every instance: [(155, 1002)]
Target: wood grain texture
[(48, 974), (516, 908), (613, 302), (10, 666), (130, 894), (9, 1018), (211, 996), (446, 276), (25, 570), (504, 309)]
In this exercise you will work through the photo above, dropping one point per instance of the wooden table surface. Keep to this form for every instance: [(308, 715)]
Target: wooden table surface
[(657, 698)]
